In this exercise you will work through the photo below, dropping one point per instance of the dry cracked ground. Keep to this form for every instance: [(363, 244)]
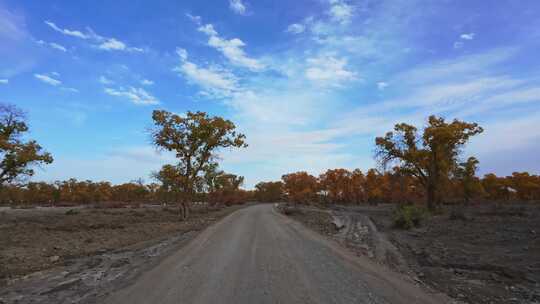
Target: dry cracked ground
[(232, 255), (490, 255)]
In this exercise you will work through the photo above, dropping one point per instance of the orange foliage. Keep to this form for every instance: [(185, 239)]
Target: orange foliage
[(300, 187)]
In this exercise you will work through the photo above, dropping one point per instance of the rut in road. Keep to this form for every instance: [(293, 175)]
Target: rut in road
[(256, 255)]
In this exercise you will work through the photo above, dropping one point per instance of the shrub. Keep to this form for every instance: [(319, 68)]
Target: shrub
[(289, 209), (72, 212), (408, 216)]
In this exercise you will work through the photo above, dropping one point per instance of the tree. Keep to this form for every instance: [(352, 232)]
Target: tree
[(300, 187), (17, 156), (226, 189), (429, 158), (496, 188), (337, 184), (466, 175), (194, 139), (526, 185), (373, 187), (269, 191), (356, 192)]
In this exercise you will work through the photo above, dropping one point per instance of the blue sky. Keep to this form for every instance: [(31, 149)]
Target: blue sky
[(310, 82)]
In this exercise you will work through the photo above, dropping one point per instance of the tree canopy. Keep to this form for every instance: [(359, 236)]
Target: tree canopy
[(430, 158), (17, 155), (194, 138)]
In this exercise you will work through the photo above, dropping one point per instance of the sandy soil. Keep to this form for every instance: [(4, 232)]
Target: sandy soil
[(38, 239), (490, 256)]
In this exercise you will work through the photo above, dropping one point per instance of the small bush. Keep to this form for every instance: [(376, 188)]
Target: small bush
[(408, 216), (72, 212), (289, 209)]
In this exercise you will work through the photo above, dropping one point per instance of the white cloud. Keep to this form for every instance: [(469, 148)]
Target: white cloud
[(461, 44), (182, 53), (296, 28), (67, 32), (53, 45), (231, 49), (147, 82), (442, 97), (512, 98), (340, 11), (12, 26), (72, 90), (104, 80), (100, 42), (328, 70), (136, 95), (47, 79), (58, 47), (237, 6), (208, 29), (465, 66), (4, 81), (112, 44), (214, 80), (381, 85), (195, 19), (469, 36)]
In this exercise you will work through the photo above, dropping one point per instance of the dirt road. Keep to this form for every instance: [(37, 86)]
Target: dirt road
[(256, 255)]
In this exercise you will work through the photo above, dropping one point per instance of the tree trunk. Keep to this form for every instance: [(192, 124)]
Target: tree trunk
[(431, 197)]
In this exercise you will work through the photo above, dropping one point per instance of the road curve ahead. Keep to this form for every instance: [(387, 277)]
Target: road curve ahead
[(256, 255)]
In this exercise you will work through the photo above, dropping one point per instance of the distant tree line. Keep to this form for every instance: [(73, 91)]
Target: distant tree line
[(425, 167), (103, 194), (342, 186)]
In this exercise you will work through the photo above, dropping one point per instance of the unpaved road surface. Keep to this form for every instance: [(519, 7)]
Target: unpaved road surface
[(256, 255)]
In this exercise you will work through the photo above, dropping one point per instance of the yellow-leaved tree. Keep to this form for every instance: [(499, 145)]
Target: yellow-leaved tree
[(431, 157), (194, 139), (17, 156)]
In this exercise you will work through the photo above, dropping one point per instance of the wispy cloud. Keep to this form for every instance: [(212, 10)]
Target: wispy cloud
[(232, 49), (104, 80), (72, 90), (469, 36), (214, 80), (464, 37), (112, 44), (296, 28), (340, 11), (53, 80), (329, 71), (381, 85), (458, 45), (4, 81), (47, 79), (137, 96), (237, 6), (147, 82), (67, 32), (99, 42), (53, 45)]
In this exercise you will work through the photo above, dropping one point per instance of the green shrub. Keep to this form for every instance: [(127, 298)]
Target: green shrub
[(72, 212), (408, 216)]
